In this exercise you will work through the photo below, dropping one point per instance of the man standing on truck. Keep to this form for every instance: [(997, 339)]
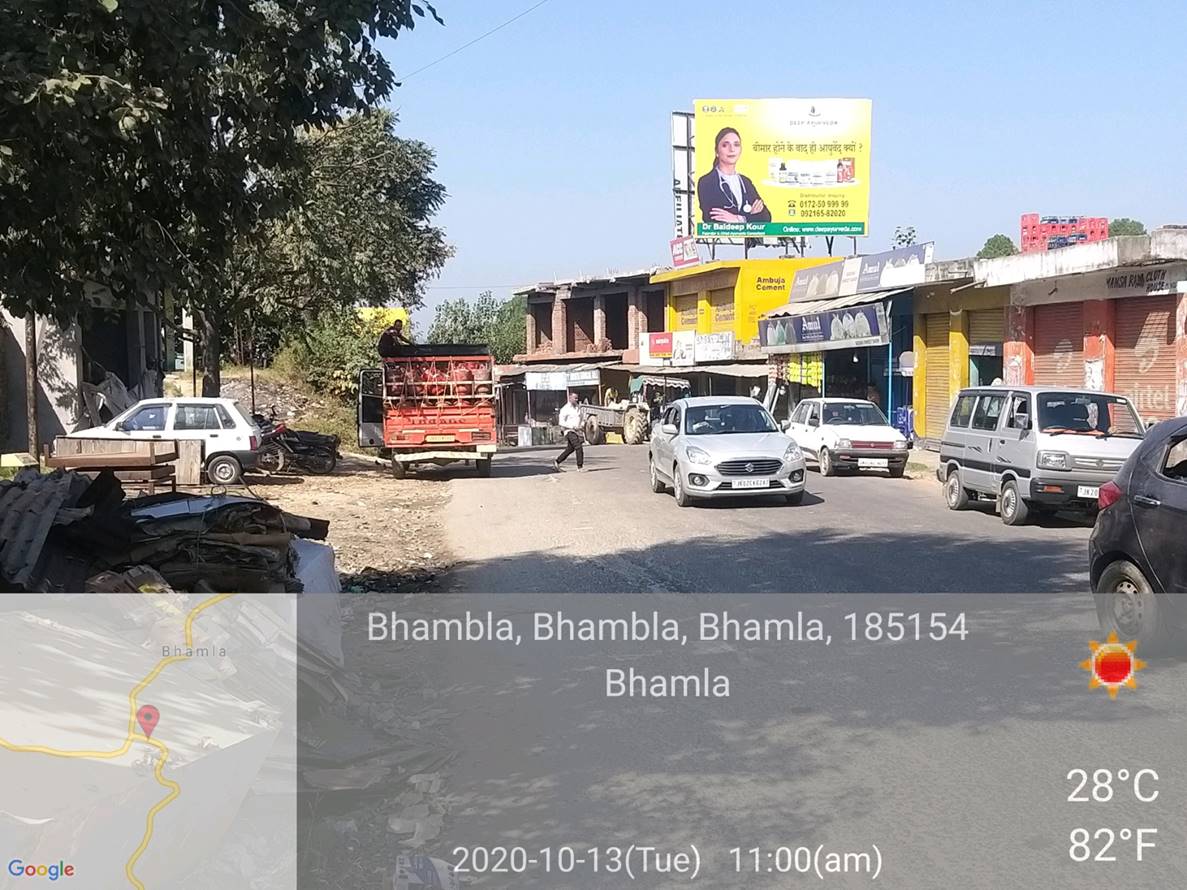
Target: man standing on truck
[(392, 339), (570, 421)]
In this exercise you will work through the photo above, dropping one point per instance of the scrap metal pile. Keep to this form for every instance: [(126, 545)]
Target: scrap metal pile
[(59, 531)]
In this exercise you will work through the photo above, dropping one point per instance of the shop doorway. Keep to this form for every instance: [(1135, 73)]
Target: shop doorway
[(984, 369), (856, 374)]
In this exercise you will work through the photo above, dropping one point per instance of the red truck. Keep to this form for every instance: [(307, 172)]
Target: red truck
[(430, 404)]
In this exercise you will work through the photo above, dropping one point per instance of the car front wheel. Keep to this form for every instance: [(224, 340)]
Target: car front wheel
[(682, 498), (826, 463), (955, 494), (1127, 605), (657, 484), (222, 469), (1015, 511)]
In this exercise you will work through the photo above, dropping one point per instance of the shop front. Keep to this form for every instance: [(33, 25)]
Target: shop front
[(959, 340), (1119, 331), (842, 347)]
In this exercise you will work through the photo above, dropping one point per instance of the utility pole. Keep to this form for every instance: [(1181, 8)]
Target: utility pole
[(31, 383)]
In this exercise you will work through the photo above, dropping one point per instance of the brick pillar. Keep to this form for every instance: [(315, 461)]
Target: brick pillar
[(1181, 354), (1099, 331), (560, 325), (599, 331), (633, 315), (1018, 354), (529, 328)]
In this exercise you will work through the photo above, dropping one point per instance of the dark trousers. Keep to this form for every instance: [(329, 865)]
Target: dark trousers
[(573, 443)]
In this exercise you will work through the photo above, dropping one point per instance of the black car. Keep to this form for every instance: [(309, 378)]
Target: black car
[(1138, 550)]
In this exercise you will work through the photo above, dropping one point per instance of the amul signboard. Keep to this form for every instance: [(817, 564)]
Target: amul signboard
[(848, 328), (782, 167)]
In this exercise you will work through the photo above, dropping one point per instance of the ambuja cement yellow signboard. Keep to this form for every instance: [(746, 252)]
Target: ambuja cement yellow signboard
[(782, 167)]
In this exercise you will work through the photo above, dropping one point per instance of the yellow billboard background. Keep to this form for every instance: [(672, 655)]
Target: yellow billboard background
[(807, 160)]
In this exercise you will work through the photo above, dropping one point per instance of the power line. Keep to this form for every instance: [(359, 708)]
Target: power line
[(471, 43)]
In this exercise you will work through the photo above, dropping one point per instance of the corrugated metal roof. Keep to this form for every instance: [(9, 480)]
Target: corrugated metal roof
[(811, 307)]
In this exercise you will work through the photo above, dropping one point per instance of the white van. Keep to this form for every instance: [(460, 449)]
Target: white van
[(1035, 449)]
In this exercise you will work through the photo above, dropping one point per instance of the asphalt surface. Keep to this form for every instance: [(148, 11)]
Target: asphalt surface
[(528, 528), (951, 758)]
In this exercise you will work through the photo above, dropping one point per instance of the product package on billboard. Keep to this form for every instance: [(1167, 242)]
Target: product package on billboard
[(782, 167)]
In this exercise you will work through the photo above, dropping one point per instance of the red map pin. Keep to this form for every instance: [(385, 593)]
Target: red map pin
[(148, 717)]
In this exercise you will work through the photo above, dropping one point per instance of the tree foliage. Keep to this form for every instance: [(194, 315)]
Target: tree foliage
[(140, 140), (359, 233), (995, 246), (904, 236), (1125, 226), (500, 324)]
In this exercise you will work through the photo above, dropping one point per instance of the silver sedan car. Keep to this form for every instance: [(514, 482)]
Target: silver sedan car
[(723, 446)]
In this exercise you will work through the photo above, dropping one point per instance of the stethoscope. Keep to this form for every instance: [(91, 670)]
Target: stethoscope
[(729, 192)]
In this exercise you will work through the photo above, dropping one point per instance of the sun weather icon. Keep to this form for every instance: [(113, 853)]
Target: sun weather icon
[(1113, 664)]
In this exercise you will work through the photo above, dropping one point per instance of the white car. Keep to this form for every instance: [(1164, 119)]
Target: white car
[(723, 446), (229, 437), (848, 434)]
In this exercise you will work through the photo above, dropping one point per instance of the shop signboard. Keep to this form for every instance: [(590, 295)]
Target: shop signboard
[(782, 167), (684, 252), (714, 347), (659, 346), (559, 381), (587, 377), (894, 268), (849, 328), (684, 348), (864, 274), (547, 381)]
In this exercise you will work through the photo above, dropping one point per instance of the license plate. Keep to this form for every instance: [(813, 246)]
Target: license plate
[(439, 438), (751, 483), (1088, 491), (873, 463)]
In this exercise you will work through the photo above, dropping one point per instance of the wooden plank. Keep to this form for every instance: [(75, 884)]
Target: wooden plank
[(109, 460), (188, 459), (189, 462)]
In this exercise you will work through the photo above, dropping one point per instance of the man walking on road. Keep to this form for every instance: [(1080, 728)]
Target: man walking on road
[(570, 420)]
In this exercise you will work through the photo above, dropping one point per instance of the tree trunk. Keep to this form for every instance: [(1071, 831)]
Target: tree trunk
[(212, 354), (31, 383)]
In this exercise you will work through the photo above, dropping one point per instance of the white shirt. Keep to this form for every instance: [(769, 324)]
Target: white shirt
[(570, 417), (734, 181)]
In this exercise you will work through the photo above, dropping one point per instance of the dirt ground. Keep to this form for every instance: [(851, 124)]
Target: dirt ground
[(387, 534)]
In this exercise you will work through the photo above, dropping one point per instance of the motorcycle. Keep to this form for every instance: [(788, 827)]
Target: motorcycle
[(287, 450)]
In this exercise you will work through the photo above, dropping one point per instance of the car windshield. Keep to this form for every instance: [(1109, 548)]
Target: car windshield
[(853, 414), (717, 420), (1087, 414)]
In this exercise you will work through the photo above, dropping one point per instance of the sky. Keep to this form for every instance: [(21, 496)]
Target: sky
[(553, 138)]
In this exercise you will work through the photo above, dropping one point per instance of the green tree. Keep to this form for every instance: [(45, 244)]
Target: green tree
[(360, 234), (904, 236), (140, 140), (1125, 226), (995, 246), (500, 324)]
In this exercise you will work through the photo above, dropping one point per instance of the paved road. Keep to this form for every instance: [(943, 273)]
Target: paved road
[(951, 757), (528, 528)]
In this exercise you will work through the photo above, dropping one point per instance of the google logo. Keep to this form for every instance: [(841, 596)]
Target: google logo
[(18, 869)]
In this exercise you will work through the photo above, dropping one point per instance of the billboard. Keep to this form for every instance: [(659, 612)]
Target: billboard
[(782, 167), (848, 328), (901, 267)]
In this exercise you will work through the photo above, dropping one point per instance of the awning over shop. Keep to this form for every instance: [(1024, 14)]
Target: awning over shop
[(847, 322), (812, 307)]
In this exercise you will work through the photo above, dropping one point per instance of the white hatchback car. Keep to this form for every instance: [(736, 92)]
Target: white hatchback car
[(229, 437), (848, 434), (723, 446)]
